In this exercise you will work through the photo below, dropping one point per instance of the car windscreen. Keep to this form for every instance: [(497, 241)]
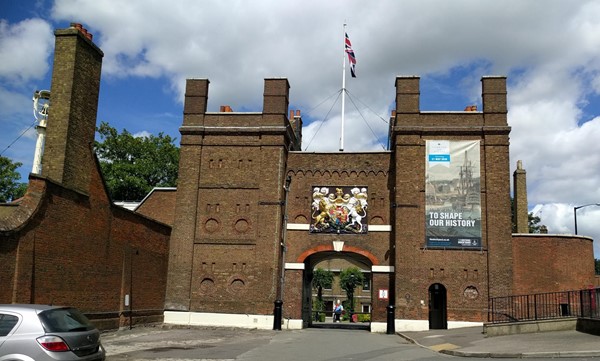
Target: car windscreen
[(64, 320)]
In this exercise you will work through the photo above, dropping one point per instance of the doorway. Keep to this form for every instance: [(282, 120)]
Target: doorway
[(318, 302), (438, 318)]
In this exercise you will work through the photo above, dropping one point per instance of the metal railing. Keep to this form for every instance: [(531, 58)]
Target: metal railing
[(545, 306), (344, 315)]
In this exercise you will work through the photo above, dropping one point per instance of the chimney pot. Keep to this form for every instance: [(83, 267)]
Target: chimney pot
[(298, 112)]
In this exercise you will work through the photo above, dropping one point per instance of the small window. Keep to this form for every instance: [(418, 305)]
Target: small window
[(366, 286), (7, 323)]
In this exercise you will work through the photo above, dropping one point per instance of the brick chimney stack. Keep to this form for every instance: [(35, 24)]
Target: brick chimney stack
[(296, 123), (68, 154), (520, 208)]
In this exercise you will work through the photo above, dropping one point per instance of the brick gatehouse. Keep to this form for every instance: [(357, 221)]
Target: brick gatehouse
[(427, 222)]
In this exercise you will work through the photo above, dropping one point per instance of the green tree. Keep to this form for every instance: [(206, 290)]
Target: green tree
[(132, 166), (10, 187), (322, 279), (533, 222), (597, 266), (349, 279)]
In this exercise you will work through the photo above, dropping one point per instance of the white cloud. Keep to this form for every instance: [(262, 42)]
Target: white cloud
[(24, 50), (549, 50), (143, 134)]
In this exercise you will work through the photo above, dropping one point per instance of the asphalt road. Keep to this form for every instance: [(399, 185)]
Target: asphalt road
[(183, 344)]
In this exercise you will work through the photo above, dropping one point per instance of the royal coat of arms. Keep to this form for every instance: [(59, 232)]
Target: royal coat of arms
[(342, 211)]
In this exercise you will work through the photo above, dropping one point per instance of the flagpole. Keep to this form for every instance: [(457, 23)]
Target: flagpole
[(343, 89)]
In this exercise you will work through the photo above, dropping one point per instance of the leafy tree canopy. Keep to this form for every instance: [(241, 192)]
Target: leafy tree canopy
[(132, 166), (10, 187), (322, 279), (350, 278)]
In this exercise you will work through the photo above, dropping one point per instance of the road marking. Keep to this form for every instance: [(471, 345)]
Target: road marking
[(444, 346)]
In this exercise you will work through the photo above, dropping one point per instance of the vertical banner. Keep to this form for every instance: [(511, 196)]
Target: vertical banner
[(452, 194)]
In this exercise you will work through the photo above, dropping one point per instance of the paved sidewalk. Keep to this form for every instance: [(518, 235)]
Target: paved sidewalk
[(471, 342)]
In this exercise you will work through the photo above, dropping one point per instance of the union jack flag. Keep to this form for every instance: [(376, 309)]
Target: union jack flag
[(351, 57)]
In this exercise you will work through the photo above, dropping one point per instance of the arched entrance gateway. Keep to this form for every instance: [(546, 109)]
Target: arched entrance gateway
[(333, 278), (337, 233)]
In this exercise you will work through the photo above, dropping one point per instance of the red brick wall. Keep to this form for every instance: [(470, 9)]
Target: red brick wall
[(292, 298), (76, 250), (550, 263), (159, 205)]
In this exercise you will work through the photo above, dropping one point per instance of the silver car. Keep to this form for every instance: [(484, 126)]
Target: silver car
[(42, 332)]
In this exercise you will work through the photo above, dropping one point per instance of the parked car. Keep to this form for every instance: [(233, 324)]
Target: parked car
[(42, 332)]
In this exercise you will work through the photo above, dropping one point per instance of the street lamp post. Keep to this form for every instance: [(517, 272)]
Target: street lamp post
[(575, 212)]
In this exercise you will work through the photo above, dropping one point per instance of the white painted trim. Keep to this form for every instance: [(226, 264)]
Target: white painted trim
[(264, 322), (379, 327), (298, 226), (371, 227), (382, 269), (462, 324), (298, 266), (379, 227), (291, 324), (423, 325)]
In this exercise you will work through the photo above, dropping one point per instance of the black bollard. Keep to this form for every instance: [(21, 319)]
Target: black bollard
[(391, 324), (277, 315)]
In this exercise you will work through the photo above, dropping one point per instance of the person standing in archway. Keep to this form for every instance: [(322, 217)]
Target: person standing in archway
[(337, 311)]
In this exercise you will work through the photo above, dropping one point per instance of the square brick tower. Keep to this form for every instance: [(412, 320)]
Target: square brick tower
[(468, 275), (225, 243)]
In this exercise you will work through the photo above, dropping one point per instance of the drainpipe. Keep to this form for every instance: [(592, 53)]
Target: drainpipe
[(277, 312)]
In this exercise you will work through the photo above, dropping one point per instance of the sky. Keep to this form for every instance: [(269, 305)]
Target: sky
[(549, 50)]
